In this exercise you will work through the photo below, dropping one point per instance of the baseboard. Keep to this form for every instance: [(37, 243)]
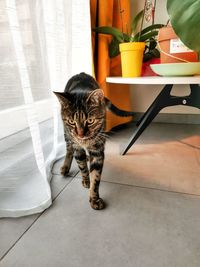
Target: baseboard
[(173, 118)]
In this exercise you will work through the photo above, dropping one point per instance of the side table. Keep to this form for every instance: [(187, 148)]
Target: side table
[(164, 98)]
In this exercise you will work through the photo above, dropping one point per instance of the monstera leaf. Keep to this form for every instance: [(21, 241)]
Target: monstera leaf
[(185, 19)]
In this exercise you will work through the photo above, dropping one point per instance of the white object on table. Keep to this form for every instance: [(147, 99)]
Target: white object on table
[(155, 80)]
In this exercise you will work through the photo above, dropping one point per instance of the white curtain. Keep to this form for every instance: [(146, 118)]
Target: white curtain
[(42, 44)]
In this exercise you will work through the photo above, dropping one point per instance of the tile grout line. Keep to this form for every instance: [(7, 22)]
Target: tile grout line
[(144, 187), (152, 188), (192, 146), (72, 178), (136, 186), (53, 199), (6, 253)]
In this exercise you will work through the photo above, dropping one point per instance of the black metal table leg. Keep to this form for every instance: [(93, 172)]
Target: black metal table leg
[(164, 99), (166, 90), (194, 98), (158, 104)]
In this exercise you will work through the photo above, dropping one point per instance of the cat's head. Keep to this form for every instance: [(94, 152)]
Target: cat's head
[(83, 114)]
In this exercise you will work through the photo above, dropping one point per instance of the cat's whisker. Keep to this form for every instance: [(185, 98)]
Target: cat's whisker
[(105, 136)]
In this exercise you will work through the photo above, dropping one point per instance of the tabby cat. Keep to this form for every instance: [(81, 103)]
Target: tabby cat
[(83, 110)]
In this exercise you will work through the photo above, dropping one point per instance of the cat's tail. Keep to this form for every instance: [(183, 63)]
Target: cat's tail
[(116, 110)]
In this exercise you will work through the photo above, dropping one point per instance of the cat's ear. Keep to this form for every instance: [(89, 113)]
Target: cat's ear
[(63, 98), (96, 97)]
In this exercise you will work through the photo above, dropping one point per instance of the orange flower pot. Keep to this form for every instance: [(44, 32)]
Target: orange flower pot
[(172, 50)]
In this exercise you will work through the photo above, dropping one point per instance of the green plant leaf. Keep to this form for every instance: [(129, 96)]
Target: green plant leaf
[(111, 31), (152, 44), (151, 54), (135, 21), (145, 37), (185, 20), (126, 37), (113, 48), (155, 52), (151, 28), (147, 56), (146, 30)]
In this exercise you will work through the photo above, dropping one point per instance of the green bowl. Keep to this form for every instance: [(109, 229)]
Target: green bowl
[(176, 69)]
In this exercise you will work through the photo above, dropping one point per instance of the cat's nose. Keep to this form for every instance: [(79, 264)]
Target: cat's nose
[(80, 132)]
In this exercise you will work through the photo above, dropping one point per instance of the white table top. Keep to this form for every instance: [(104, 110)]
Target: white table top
[(155, 80)]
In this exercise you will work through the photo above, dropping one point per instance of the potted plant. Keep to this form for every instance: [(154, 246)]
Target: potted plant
[(185, 21), (181, 42), (135, 47), (172, 49)]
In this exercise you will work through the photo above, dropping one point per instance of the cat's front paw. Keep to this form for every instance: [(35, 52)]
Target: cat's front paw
[(97, 204), (86, 183), (64, 170)]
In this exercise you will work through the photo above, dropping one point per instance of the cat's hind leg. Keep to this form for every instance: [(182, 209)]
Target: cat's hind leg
[(81, 159)]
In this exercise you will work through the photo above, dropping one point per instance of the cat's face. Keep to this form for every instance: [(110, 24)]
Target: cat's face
[(83, 115)]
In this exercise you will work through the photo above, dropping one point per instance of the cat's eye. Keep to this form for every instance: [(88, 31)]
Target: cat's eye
[(70, 121), (90, 121)]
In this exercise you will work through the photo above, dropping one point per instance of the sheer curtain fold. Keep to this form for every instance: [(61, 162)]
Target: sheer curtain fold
[(43, 43)]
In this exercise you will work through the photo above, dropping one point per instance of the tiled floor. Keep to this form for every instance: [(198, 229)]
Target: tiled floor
[(152, 218)]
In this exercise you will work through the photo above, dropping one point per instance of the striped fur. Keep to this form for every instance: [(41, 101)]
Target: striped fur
[(83, 110)]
